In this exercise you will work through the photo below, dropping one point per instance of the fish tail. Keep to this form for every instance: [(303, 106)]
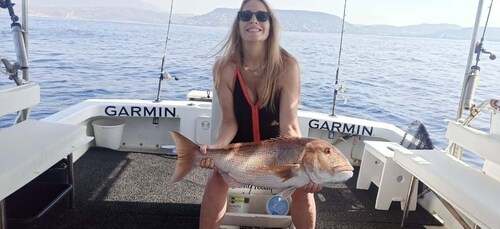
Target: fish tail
[(186, 155)]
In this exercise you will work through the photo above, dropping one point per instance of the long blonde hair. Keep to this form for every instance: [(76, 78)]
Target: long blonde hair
[(232, 52)]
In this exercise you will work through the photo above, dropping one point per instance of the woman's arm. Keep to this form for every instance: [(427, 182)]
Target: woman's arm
[(290, 96), (228, 126), (289, 103)]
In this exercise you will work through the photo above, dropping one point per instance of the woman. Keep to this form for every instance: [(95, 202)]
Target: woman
[(258, 86)]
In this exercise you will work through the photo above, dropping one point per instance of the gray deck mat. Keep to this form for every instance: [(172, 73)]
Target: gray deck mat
[(132, 190)]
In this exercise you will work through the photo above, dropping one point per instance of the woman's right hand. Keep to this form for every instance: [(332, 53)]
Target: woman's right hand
[(206, 163)]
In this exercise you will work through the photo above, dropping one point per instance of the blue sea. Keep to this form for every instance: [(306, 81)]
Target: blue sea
[(389, 79)]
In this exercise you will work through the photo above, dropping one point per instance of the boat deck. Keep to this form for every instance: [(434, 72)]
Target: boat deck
[(133, 190)]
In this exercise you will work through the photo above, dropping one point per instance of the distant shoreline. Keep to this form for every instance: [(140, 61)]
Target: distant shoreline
[(291, 20)]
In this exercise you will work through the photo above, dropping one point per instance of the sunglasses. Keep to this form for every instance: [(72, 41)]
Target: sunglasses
[(245, 16)]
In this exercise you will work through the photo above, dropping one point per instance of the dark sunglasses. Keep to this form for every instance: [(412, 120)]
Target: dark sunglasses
[(262, 16)]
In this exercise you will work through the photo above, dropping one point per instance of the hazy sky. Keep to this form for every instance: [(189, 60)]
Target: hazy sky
[(391, 12)]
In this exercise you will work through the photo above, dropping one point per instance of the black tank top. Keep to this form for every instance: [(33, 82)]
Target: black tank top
[(254, 124)]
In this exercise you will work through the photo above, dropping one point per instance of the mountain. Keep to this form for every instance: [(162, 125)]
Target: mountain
[(138, 4), (412, 30), (219, 17), (492, 33), (306, 21), (106, 10), (124, 14), (291, 20)]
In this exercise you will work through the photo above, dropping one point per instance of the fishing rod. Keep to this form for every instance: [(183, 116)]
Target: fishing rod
[(479, 47), (473, 72), (162, 70), (335, 92), (472, 76)]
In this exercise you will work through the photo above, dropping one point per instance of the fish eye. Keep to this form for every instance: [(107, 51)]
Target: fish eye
[(327, 150)]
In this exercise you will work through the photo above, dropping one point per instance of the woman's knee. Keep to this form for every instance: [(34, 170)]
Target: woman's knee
[(303, 197)]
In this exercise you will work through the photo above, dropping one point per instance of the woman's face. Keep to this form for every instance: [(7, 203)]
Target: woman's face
[(256, 29)]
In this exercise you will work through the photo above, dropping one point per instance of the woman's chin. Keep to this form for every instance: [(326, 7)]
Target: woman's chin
[(254, 39)]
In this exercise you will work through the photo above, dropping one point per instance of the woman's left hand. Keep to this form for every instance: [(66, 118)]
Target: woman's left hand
[(312, 187)]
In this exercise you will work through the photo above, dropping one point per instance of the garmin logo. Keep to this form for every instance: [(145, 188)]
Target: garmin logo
[(135, 111), (341, 127)]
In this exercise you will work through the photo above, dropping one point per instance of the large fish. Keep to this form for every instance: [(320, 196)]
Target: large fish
[(283, 162)]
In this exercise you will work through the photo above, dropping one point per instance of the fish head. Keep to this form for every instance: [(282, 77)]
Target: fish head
[(324, 163)]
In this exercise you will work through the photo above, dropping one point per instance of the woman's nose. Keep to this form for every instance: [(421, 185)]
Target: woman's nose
[(254, 19)]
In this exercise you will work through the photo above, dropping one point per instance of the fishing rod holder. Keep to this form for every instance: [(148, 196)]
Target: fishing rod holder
[(470, 87), (19, 44), (473, 77)]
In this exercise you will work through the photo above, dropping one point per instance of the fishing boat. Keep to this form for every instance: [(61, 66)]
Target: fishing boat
[(107, 163)]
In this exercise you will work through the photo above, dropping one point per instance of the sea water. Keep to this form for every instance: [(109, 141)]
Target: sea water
[(389, 79)]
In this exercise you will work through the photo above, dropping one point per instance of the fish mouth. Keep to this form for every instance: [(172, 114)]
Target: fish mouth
[(343, 168), (342, 176), (342, 173)]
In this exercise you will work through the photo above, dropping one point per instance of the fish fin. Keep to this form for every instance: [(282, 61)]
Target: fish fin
[(230, 181), (285, 194), (285, 171), (186, 155), (282, 137)]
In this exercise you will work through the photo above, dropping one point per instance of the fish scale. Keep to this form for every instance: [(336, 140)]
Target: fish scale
[(275, 163)]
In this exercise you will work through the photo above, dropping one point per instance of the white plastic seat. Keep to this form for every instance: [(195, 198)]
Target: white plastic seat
[(378, 167), (18, 98), (31, 147), (470, 191)]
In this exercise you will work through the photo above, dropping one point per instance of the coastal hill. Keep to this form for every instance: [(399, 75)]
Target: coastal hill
[(291, 20)]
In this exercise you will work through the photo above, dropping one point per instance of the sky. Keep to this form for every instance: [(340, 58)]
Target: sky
[(366, 12)]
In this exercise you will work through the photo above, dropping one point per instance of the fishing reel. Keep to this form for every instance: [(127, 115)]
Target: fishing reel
[(167, 76), (341, 92), (480, 50), (164, 75), (7, 4)]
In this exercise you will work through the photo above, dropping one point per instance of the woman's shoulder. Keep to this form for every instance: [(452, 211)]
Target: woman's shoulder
[(290, 64), (225, 68), (224, 74), (288, 58), (291, 71)]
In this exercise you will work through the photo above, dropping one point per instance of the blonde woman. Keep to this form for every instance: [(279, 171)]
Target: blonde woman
[(258, 87)]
